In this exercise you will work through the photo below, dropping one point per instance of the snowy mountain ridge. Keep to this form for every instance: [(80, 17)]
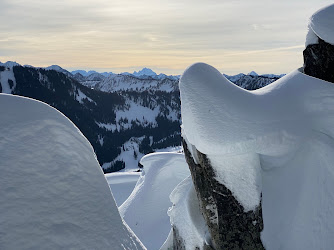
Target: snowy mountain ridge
[(121, 126), (141, 114)]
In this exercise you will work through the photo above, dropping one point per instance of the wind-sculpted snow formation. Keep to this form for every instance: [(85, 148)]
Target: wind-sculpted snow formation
[(145, 210), (53, 192), (321, 23), (277, 141)]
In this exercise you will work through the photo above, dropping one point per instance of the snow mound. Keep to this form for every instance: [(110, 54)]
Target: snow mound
[(322, 23), (145, 210), (53, 193), (281, 134)]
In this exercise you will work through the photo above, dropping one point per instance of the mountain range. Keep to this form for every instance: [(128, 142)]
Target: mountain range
[(124, 116)]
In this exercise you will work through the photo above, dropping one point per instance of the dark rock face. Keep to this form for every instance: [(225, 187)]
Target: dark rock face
[(319, 61), (229, 225), (178, 242)]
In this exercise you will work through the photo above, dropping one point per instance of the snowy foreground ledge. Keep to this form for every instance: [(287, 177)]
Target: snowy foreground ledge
[(53, 193), (276, 141)]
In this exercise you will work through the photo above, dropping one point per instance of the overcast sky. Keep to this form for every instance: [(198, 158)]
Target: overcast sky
[(165, 35)]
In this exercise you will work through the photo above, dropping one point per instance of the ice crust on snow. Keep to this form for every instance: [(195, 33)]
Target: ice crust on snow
[(53, 192), (145, 210), (322, 23), (283, 133)]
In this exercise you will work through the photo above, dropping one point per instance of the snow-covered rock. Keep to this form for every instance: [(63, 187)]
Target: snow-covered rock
[(53, 192), (319, 51), (321, 23), (145, 210), (286, 133)]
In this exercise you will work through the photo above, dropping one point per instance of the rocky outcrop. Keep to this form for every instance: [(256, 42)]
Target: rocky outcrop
[(229, 225), (319, 60)]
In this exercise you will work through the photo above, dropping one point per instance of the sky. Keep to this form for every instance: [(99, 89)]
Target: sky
[(235, 36)]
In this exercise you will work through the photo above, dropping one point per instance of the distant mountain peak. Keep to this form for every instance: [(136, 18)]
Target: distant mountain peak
[(54, 67), (252, 73), (9, 64), (144, 71), (58, 69)]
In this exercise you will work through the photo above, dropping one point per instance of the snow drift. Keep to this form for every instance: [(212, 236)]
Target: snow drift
[(145, 210), (53, 193), (277, 140)]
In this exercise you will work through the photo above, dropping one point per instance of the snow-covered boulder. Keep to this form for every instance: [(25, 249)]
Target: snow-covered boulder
[(321, 23), (53, 193), (319, 51), (145, 210), (280, 146)]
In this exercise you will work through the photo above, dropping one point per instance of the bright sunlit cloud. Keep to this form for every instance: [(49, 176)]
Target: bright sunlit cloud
[(168, 36)]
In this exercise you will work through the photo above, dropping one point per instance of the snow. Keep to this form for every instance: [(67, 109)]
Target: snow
[(122, 184), (242, 174), (128, 151), (80, 96), (144, 72), (283, 134), (107, 126), (58, 69), (252, 73), (53, 192), (137, 113), (128, 82), (134, 113), (186, 216), (6, 75), (298, 198), (321, 22), (145, 210), (311, 38), (11, 64)]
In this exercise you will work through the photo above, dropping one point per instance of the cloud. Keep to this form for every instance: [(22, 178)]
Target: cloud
[(157, 33)]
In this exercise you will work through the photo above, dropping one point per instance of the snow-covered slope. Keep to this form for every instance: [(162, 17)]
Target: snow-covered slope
[(145, 210), (114, 83), (59, 69), (7, 80), (141, 115), (276, 140), (53, 193), (122, 184)]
